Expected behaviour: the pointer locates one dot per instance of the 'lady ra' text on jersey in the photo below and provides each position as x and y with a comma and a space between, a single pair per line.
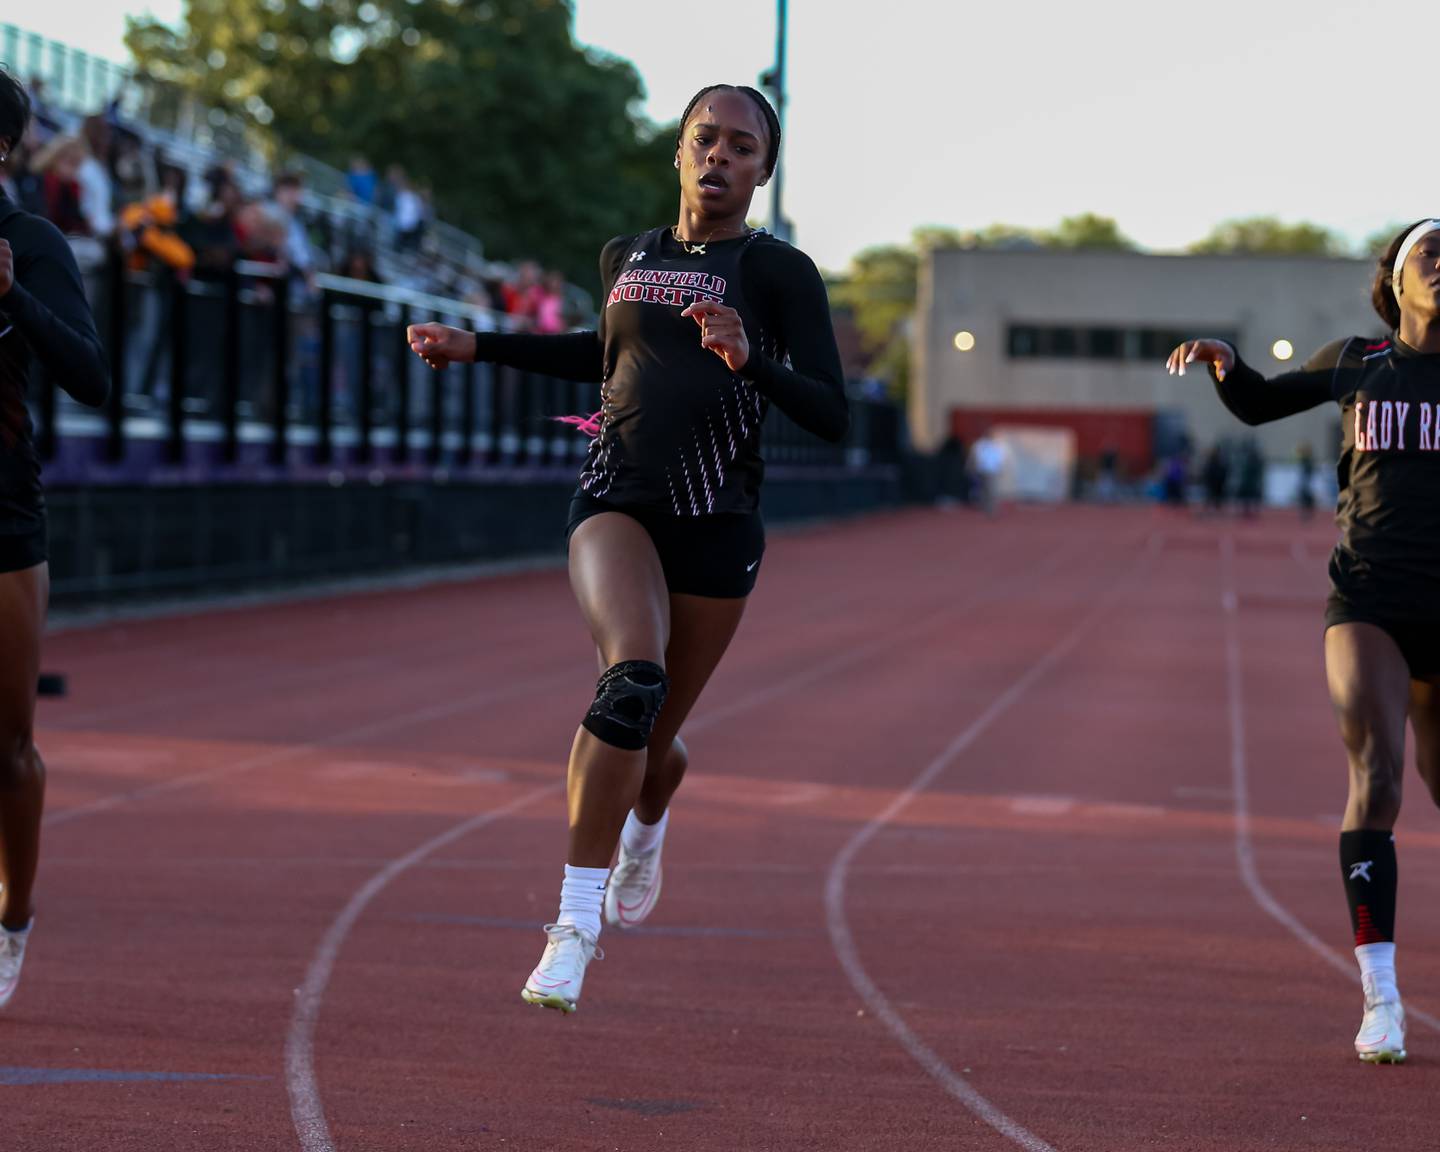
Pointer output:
1389, 425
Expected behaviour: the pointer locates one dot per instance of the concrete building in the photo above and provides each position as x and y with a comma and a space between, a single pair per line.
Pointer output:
1078, 339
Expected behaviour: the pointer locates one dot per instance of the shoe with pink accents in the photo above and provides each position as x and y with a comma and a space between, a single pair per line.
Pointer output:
634, 888
557, 979
1381, 1039
12, 956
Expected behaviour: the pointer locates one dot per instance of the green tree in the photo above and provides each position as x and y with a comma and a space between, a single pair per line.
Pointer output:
1376, 243
1089, 231
879, 290
1269, 235
528, 141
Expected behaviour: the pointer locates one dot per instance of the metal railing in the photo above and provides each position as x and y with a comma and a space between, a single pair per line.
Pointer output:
259, 375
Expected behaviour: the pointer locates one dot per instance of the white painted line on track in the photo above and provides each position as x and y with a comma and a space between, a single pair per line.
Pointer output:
723, 712
842, 939
306, 1109
1239, 772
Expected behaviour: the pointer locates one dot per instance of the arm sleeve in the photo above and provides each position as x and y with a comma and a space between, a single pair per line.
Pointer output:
790, 296
50, 311
570, 356
1257, 400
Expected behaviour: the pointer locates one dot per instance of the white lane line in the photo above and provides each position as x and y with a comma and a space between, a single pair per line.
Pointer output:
306, 1108
849, 658
1240, 778
723, 712
843, 940
294, 751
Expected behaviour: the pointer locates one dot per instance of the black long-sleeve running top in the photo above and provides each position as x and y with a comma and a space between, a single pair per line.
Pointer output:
678, 429
1388, 555
45, 319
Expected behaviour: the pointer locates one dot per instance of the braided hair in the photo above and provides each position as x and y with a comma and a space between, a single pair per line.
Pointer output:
767, 113
14, 108
1382, 292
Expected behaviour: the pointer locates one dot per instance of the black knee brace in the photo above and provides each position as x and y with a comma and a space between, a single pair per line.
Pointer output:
627, 700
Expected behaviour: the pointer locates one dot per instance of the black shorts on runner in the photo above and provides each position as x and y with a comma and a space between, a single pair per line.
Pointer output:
716, 556
26, 550
1417, 639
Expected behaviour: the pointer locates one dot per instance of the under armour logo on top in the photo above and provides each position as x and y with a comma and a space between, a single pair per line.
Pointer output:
634, 256
1361, 871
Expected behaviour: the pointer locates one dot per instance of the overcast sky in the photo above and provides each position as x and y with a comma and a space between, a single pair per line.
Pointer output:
1168, 117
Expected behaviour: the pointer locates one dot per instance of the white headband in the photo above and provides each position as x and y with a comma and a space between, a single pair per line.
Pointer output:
1424, 228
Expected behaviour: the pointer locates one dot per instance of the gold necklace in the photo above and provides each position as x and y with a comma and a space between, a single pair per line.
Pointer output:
699, 249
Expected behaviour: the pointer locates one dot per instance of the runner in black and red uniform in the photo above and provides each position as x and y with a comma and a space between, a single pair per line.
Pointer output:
45, 320
704, 325
1382, 621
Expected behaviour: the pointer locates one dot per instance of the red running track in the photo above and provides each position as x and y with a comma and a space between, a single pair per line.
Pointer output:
999, 834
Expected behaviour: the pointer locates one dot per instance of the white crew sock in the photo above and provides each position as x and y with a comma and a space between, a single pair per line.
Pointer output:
1377, 971
641, 838
581, 898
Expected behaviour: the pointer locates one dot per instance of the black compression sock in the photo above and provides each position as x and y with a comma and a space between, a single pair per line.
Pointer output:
1367, 864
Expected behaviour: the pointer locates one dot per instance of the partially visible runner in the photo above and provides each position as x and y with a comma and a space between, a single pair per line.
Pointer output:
704, 325
45, 320
1382, 620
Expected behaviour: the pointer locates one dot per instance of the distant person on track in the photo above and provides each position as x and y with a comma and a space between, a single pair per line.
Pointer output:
988, 456
1305, 480
1215, 475
44, 319
1382, 620
705, 324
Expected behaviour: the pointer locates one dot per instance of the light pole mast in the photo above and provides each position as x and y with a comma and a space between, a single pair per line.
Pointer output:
775, 81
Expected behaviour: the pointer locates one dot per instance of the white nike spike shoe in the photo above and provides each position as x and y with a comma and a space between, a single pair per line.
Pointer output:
1381, 1039
634, 887
557, 979
12, 956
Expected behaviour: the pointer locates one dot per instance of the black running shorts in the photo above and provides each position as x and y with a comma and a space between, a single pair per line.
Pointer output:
1417, 639
717, 556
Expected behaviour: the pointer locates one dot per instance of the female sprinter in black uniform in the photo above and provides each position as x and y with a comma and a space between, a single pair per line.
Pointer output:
704, 324
44, 317
1382, 621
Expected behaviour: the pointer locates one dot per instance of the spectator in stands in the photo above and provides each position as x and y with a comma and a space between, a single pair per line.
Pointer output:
362, 180
148, 233
360, 265
386, 190
214, 231
522, 295
134, 174
550, 304
97, 193
296, 251
58, 164
409, 214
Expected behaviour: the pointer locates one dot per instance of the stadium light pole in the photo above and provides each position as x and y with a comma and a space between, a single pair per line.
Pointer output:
775, 81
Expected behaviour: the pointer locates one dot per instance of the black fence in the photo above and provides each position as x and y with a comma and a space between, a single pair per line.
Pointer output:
260, 375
